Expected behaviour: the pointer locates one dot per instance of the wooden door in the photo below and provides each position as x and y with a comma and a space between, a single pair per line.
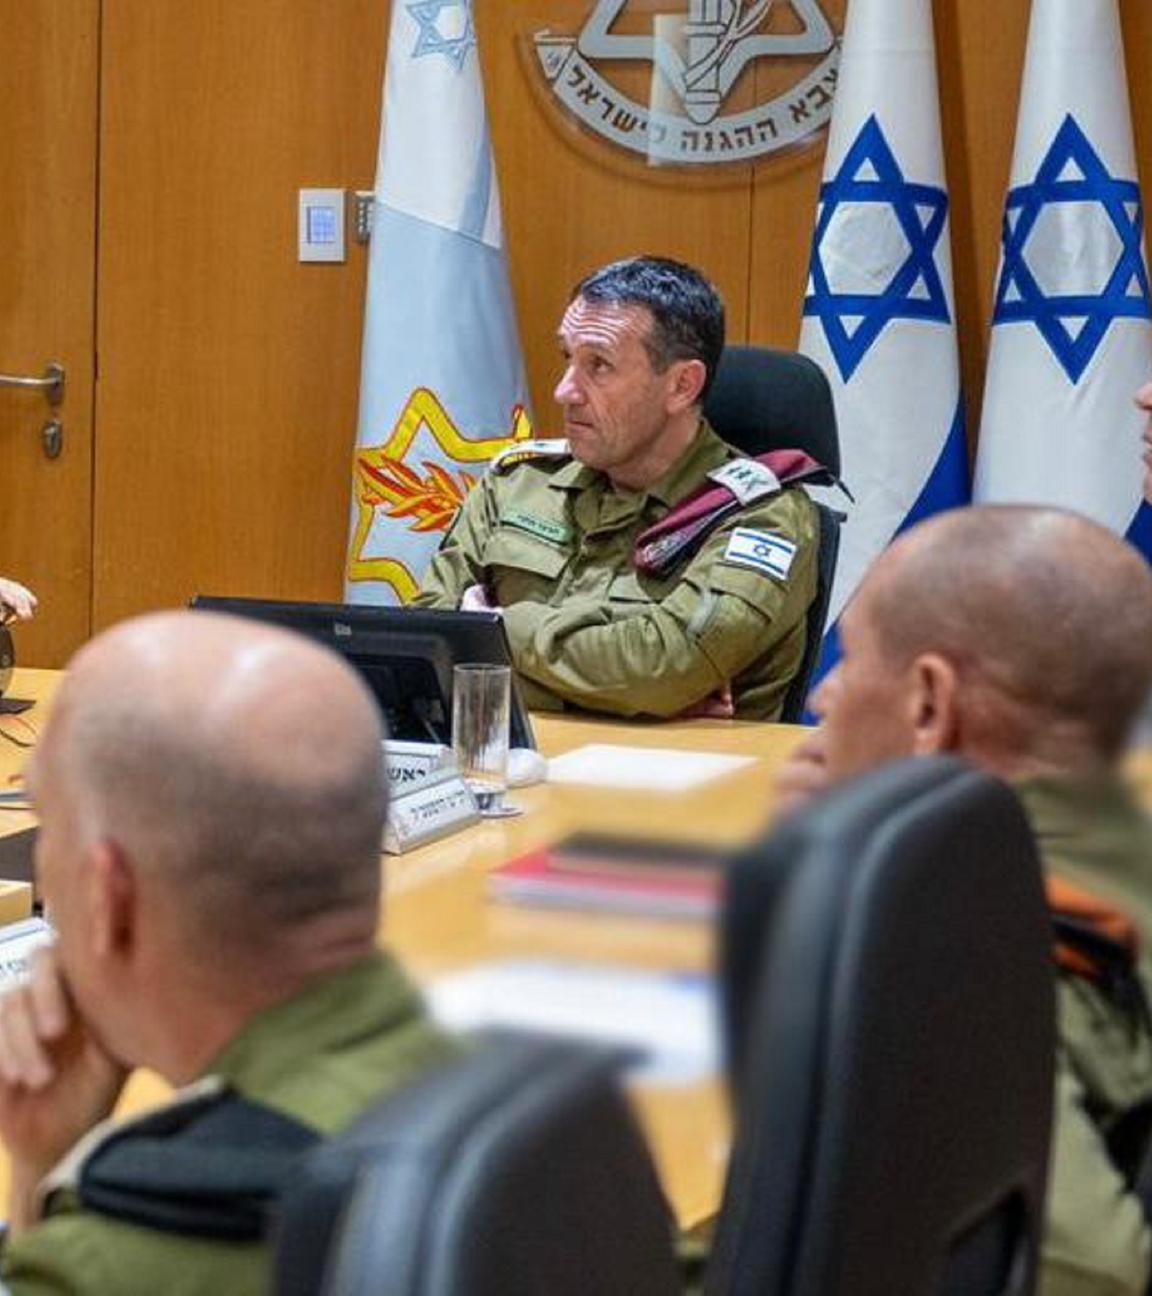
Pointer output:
229, 372
48, 86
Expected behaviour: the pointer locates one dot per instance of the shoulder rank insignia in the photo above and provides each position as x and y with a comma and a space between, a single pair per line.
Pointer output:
726, 491
523, 451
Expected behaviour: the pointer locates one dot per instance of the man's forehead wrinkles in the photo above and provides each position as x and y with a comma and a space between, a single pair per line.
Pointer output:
599, 324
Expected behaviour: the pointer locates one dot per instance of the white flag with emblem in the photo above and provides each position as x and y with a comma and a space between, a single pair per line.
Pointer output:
442, 380
879, 312
1071, 331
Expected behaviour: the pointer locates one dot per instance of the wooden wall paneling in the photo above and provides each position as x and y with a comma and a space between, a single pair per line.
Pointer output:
229, 379
48, 85
573, 202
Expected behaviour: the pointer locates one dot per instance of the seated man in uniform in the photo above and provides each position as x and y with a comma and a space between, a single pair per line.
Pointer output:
16, 600
211, 798
1021, 638
617, 597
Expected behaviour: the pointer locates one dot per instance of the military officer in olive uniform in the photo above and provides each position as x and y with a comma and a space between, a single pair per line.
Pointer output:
643, 566
1019, 638
215, 888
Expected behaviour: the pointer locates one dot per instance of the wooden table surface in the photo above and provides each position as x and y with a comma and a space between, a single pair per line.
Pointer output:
437, 914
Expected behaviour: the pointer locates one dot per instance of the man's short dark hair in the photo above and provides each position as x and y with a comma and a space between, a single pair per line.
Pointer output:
687, 313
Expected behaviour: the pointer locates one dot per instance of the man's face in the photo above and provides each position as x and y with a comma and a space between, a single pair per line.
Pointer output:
615, 404
863, 702
1144, 401
59, 854
1148, 460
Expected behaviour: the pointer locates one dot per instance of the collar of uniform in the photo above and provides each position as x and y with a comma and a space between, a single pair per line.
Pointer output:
1071, 806
572, 476
706, 452
371, 996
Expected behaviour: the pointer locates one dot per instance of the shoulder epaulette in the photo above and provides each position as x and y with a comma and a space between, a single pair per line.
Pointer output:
522, 451
728, 489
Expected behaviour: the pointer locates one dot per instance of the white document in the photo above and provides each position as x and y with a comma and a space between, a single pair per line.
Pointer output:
669, 1018
642, 769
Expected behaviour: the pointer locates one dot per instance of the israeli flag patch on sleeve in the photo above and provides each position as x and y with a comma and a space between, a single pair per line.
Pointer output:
767, 553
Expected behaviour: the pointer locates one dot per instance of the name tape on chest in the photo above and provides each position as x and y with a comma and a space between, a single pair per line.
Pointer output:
746, 479
557, 533
762, 551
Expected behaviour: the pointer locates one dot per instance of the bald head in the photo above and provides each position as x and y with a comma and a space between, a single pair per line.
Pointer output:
1046, 616
237, 765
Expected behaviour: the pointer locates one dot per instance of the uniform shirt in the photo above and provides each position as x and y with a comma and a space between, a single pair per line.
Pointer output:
323, 1057
1097, 1241
552, 541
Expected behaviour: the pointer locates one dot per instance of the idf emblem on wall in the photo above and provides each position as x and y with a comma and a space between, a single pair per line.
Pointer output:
696, 82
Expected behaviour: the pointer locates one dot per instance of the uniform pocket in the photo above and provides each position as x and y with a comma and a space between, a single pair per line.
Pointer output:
521, 567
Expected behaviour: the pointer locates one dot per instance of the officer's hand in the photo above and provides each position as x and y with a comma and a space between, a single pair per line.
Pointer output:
716, 706
16, 600
56, 1081
475, 599
804, 775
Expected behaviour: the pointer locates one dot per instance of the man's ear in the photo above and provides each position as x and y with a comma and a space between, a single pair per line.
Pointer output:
687, 383
934, 705
115, 901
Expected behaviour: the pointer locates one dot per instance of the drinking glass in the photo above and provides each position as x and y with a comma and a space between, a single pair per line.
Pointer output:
481, 702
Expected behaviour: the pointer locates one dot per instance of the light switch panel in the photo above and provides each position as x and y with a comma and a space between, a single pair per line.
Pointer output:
321, 225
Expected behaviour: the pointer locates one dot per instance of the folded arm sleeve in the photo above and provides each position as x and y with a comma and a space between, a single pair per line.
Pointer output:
457, 563
664, 656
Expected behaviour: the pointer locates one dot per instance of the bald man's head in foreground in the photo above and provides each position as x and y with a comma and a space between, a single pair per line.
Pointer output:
1020, 637
211, 796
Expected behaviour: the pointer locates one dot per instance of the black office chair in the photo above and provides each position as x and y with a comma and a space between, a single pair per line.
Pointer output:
517, 1170
888, 1004
764, 400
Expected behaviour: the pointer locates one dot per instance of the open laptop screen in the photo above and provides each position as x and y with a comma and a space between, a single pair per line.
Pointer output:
405, 655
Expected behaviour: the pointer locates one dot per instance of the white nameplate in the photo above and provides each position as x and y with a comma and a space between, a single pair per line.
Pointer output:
409, 763
442, 803
17, 941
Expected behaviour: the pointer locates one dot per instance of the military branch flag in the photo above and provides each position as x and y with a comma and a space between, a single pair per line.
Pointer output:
879, 313
1071, 330
442, 379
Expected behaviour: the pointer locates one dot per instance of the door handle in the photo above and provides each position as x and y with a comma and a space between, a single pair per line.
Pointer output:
51, 384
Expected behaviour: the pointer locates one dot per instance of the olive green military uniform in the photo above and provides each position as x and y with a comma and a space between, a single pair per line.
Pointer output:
1097, 1241
552, 542
322, 1057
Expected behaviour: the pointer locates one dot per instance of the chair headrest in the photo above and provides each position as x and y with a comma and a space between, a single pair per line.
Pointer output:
762, 400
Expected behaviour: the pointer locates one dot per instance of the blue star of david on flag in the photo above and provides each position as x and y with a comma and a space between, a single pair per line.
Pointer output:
870, 178
1073, 323
432, 40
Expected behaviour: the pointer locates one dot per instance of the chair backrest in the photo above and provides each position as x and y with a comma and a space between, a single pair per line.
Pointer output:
827, 553
889, 1013
764, 400
516, 1169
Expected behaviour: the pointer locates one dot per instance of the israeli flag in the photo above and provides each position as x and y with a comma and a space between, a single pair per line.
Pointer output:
442, 379
1071, 335
879, 314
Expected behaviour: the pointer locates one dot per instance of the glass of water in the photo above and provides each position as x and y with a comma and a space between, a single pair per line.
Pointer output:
481, 702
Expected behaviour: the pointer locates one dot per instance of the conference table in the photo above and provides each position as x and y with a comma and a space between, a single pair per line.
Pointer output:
439, 917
